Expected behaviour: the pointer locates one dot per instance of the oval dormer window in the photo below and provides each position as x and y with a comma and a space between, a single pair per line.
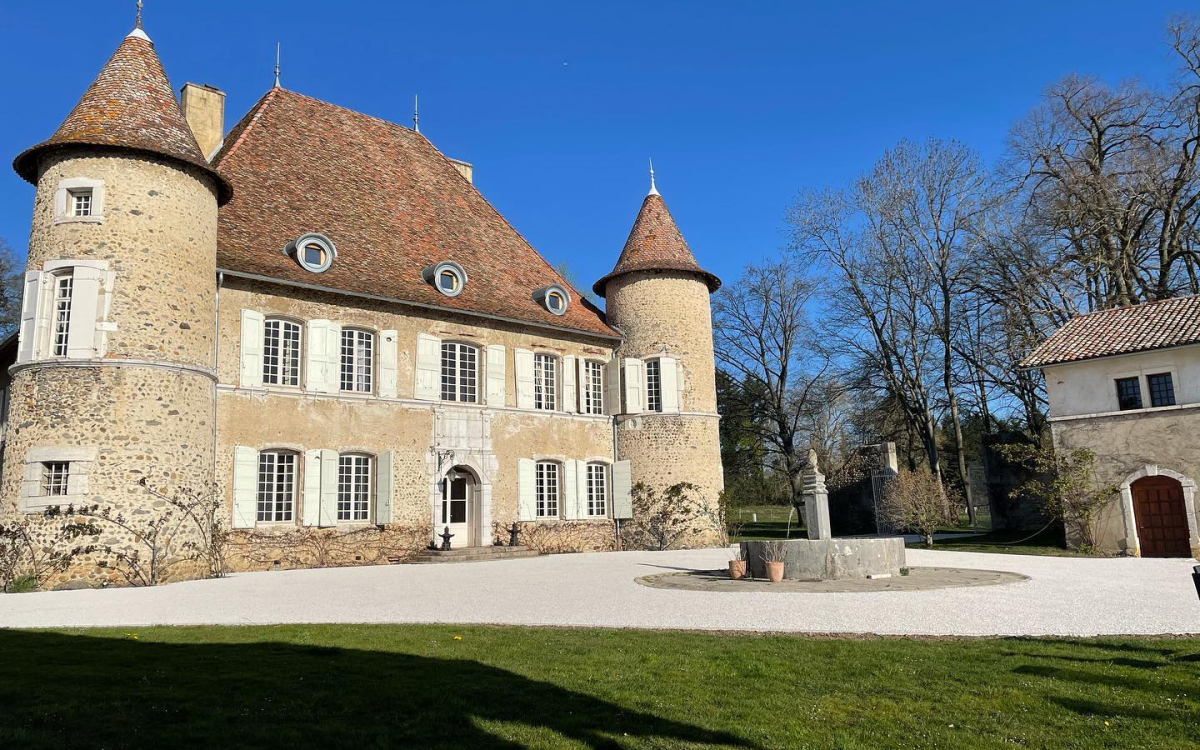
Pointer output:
554, 298
314, 252
447, 277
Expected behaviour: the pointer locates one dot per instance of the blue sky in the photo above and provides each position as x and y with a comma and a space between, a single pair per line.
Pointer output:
559, 104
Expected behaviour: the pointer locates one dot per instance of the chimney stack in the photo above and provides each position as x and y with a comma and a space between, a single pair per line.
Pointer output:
464, 168
204, 110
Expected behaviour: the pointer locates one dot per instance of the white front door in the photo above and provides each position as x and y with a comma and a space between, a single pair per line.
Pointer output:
457, 509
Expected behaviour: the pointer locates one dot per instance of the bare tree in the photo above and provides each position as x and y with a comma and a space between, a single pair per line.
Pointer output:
10, 289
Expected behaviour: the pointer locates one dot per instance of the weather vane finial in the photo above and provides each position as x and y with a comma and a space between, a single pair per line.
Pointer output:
277, 64
653, 190
139, 14
416, 120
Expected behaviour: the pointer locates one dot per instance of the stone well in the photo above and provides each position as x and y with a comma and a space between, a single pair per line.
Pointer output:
830, 559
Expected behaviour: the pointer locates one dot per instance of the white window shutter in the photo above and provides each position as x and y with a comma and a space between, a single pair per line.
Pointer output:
27, 338
383, 489
245, 487
495, 375
252, 349
570, 490
85, 307
581, 488
668, 370
329, 488
581, 382
389, 362
569, 398
634, 385
310, 513
323, 365
612, 387
526, 489
523, 364
429, 367
622, 480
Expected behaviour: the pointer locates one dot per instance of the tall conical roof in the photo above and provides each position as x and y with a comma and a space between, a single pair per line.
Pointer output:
656, 244
130, 106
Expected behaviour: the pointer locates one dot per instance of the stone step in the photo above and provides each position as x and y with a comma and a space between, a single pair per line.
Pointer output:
471, 554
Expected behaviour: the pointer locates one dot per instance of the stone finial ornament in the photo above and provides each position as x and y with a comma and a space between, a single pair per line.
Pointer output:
812, 461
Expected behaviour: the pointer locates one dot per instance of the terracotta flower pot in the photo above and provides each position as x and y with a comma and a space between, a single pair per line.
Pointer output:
737, 569
775, 571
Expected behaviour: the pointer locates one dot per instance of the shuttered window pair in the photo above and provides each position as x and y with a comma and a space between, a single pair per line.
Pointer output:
451, 371
64, 310
572, 490
321, 354
651, 385
343, 488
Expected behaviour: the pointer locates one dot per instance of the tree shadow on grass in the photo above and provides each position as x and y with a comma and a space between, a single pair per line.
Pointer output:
74, 691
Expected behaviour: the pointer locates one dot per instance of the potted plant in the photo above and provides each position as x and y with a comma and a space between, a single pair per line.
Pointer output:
774, 553
737, 566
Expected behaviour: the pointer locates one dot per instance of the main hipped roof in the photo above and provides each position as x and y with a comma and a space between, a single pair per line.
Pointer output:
392, 204
1122, 330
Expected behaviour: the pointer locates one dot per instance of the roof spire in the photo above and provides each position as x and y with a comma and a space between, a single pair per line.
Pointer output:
139, 15
653, 190
137, 32
416, 120
277, 45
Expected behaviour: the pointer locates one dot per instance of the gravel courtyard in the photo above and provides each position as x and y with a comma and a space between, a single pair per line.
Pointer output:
1063, 596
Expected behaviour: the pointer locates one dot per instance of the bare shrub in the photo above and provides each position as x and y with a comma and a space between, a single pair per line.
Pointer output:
28, 559
325, 548
918, 502
676, 517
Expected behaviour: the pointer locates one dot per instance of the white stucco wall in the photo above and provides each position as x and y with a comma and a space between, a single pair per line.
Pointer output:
1089, 388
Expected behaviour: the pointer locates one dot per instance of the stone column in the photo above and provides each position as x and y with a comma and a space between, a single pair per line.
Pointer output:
816, 506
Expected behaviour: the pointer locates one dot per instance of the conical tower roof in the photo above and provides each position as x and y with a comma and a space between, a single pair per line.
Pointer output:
130, 106
656, 244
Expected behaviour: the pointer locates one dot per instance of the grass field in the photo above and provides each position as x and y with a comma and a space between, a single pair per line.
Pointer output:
1048, 542
479, 687
772, 522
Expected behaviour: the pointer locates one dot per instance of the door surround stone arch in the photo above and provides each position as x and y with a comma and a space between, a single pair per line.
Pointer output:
472, 464
1130, 543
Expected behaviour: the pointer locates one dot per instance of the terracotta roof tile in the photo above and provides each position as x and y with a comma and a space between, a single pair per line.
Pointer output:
1122, 330
130, 106
391, 203
656, 244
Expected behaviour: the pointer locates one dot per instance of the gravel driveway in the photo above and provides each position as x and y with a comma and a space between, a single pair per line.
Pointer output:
1064, 596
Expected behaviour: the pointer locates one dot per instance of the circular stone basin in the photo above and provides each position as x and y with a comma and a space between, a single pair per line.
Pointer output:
918, 579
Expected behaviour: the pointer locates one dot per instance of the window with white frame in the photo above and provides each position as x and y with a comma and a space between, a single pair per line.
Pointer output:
281, 352
79, 199
354, 487
654, 400
545, 381
80, 202
60, 323
276, 486
358, 357
597, 489
593, 387
547, 488
460, 372
55, 478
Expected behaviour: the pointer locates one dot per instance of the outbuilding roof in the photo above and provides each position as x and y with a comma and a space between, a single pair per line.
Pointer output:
389, 201
1121, 330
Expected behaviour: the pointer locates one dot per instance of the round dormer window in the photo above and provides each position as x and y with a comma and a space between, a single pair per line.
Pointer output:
447, 277
314, 252
554, 298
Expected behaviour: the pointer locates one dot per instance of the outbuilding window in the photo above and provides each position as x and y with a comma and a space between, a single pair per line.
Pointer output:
1129, 393
1162, 389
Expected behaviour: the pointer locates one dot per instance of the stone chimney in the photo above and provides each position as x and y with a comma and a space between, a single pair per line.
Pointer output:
204, 110
465, 169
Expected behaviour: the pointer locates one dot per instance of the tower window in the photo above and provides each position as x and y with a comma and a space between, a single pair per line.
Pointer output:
545, 381
55, 476
81, 202
281, 352
654, 385
79, 199
64, 285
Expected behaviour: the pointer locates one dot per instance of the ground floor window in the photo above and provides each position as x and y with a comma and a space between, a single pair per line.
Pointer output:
547, 489
354, 487
276, 485
597, 490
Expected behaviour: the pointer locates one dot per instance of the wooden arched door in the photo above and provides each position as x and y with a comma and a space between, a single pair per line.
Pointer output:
1161, 518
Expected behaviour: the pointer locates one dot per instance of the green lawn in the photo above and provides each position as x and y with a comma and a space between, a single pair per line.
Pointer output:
1048, 542
420, 687
772, 522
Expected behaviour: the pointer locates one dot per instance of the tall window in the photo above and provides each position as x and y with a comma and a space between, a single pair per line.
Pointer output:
354, 487
64, 285
281, 352
597, 490
459, 372
55, 475
1162, 390
276, 485
593, 387
1129, 393
358, 354
547, 489
545, 381
653, 385
81, 202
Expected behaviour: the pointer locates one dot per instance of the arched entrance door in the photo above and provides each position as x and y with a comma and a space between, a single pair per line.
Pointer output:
1162, 525
459, 508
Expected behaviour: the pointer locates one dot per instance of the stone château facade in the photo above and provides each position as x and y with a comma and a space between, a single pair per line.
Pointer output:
319, 316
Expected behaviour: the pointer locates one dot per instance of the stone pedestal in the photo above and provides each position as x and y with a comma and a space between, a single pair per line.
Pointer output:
816, 506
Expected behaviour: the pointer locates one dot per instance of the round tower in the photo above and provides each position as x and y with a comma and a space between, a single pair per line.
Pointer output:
658, 297
113, 392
